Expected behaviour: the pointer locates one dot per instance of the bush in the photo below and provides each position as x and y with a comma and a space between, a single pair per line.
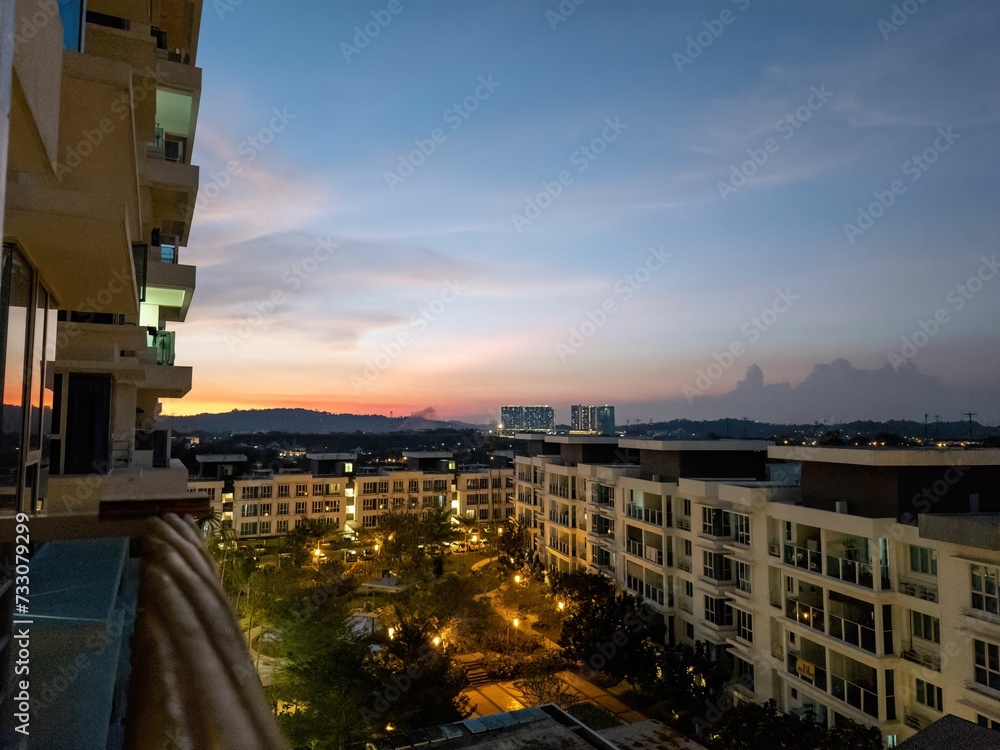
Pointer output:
594, 716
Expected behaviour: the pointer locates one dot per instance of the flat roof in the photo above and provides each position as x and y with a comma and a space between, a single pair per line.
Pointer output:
979, 530
332, 456
582, 439
887, 457
649, 444
220, 458
428, 454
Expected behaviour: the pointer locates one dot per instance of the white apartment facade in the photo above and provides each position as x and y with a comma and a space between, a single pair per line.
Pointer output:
263, 504
835, 592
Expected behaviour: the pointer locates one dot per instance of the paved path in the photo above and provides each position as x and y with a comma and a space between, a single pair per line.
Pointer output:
499, 697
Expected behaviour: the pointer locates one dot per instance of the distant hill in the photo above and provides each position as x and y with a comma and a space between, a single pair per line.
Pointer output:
303, 422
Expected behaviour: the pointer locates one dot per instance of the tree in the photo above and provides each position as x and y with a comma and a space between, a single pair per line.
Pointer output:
609, 634
306, 537
688, 679
513, 546
540, 686
748, 726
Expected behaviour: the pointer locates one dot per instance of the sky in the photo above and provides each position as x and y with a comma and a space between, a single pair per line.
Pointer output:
776, 210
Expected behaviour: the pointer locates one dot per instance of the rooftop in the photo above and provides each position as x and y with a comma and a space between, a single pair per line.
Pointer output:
951, 731
650, 444
427, 454
888, 457
220, 458
332, 456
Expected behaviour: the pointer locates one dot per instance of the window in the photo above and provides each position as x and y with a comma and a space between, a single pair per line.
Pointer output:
368, 503
265, 491
333, 489
744, 673
714, 522
414, 485
717, 566
984, 588
250, 493
929, 695
265, 527
397, 485
688, 588
687, 508
428, 485
336, 506
369, 521
923, 560
283, 490
300, 507
317, 506
743, 576
301, 490
926, 627
987, 664
987, 723
248, 510
689, 630
248, 529
282, 526
283, 510
743, 529
744, 625
687, 547
484, 514
718, 612
265, 509
318, 489
299, 522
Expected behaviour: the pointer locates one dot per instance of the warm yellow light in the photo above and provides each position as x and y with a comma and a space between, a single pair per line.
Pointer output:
376, 548
562, 606
517, 578
392, 633
475, 538
437, 640
517, 622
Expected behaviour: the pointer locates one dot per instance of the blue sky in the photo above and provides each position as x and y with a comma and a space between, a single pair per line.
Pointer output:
833, 104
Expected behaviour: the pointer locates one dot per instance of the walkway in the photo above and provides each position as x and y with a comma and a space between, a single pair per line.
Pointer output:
499, 697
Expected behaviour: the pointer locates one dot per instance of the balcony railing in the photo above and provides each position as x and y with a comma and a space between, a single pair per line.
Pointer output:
654, 594
684, 564
163, 342
807, 671
852, 571
560, 518
804, 558
805, 614
684, 524
633, 547
686, 605
919, 590
930, 661
854, 633
858, 696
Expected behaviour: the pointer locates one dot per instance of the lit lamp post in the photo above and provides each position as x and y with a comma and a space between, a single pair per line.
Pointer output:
517, 624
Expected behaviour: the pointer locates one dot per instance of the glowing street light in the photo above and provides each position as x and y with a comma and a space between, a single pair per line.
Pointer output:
437, 640
517, 578
561, 605
392, 633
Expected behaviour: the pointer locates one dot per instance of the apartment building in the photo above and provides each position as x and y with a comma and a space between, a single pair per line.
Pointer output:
598, 420
262, 503
854, 583
98, 109
530, 418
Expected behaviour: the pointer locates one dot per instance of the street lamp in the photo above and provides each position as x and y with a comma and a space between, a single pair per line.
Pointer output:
561, 605
437, 640
517, 578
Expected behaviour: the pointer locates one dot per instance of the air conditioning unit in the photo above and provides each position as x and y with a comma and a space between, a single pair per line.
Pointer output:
773, 549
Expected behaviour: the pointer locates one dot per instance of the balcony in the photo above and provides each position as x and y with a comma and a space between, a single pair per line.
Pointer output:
163, 343
861, 696
805, 614
807, 671
169, 284
684, 564
654, 594
559, 518
802, 557
653, 555
686, 605
852, 571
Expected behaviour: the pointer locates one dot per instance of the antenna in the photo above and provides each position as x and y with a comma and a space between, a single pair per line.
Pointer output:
970, 415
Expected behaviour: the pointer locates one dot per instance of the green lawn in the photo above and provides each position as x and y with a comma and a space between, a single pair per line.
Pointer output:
462, 562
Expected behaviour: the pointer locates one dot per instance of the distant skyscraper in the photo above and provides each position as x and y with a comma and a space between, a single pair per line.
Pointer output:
599, 419
535, 418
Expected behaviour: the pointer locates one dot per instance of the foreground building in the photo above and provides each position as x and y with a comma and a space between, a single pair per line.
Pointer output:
339, 492
98, 108
853, 583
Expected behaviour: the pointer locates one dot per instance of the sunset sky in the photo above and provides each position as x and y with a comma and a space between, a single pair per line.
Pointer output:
457, 205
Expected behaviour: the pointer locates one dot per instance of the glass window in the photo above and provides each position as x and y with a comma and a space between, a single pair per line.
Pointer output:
929, 695
744, 625
987, 669
984, 588
923, 560
926, 627
16, 281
